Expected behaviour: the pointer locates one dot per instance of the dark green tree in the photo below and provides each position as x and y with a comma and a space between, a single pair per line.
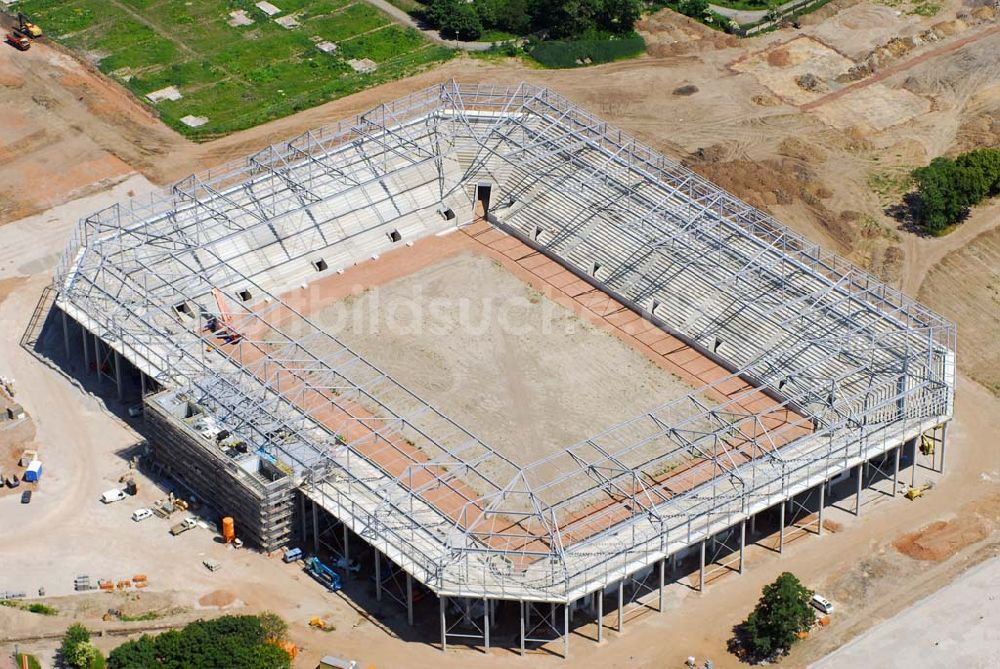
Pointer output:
942, 200
781, 613
76, 651
619, 16
693, 8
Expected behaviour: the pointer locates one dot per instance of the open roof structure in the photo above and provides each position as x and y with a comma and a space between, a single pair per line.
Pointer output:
841, 367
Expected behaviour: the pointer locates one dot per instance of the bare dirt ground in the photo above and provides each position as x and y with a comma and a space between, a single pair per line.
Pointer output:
524, 373
828, 175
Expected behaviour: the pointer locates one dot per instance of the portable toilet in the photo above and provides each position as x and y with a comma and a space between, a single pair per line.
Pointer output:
34, 471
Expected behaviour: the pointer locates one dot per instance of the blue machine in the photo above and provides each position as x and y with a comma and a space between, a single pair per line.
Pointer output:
324, 574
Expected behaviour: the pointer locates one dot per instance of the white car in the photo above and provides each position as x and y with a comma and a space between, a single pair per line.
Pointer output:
141, 514
114, 495
822, 603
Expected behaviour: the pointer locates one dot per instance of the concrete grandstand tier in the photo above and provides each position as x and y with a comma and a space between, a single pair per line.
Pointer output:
831, 366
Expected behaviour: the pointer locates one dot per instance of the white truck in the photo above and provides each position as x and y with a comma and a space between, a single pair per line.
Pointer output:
183, 526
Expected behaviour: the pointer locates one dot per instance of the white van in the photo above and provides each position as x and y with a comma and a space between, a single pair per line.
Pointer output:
141, 514
114, 495
822, 603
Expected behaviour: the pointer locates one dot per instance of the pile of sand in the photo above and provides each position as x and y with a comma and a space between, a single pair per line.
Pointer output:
942, 539
217, 598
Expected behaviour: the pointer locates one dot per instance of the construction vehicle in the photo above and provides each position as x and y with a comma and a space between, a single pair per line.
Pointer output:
19, 42
228, 334
27, 28
914, 493
323, 574
320, 624
926, 445
183, 526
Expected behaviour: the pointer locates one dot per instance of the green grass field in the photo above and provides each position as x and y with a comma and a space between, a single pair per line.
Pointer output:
237, 77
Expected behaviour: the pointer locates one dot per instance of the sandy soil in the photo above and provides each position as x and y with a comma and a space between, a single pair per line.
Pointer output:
60, 108
526, 375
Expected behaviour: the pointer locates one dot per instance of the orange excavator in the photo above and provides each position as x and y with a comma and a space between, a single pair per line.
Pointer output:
229, 333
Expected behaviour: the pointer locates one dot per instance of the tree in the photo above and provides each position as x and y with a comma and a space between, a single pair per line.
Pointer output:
461, 22
693, 8
619, 16
76, 650
782, 612
274, 627
942, 202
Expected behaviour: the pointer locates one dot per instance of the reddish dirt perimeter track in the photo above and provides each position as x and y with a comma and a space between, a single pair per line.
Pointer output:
457, 500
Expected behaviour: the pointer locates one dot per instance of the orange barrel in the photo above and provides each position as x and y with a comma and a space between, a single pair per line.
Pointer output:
228, 529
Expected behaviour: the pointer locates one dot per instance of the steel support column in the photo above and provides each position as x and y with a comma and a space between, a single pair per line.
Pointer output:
944, 435
65, 333
444, 626
895, 469
97, 360
486, 623
743, 542
118, 375
781, 529
378, 576
621, 605
822, 503
315, 515
409, 599
520, 610
701, 569
600, 615
302, 515
347, 552
857, 491
86, 350
565, 631
662, 567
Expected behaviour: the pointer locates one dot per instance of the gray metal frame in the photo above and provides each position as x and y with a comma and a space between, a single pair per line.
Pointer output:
860, 367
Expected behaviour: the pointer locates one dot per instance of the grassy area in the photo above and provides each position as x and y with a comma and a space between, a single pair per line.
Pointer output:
34, 607
235, 76
33, 662
577, 53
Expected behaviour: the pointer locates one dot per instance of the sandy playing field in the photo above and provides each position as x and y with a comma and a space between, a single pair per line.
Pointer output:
523, 373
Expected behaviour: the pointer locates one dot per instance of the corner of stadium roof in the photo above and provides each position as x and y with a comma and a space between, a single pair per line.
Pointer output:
851, 369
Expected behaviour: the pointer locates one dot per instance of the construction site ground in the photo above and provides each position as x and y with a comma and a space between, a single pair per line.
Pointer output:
70, 135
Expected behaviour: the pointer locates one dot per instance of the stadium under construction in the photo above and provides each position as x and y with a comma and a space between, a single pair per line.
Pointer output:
272, 419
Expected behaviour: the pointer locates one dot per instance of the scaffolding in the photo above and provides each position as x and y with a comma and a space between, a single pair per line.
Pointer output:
843, 368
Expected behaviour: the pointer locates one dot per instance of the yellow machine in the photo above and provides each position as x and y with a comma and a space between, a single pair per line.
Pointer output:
27, 28
926, 445
914, 493
318, 623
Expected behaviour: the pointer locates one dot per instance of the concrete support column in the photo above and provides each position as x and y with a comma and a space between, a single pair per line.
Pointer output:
444, 625
315, 515
486, 623
378, 576
600, 615
895, 469
781, 529
520, 615
662, 567
857, 491
65, 334
409, 599
743, 542
822, 503
621, 605
701, 570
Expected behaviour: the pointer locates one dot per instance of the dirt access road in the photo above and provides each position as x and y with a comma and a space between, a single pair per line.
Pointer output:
822, 174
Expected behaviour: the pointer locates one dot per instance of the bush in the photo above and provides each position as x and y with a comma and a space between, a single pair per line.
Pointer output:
574, 53
947, 188
240, 642
782, 612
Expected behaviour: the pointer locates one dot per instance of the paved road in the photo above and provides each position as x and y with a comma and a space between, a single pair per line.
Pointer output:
954, 627
405, 19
